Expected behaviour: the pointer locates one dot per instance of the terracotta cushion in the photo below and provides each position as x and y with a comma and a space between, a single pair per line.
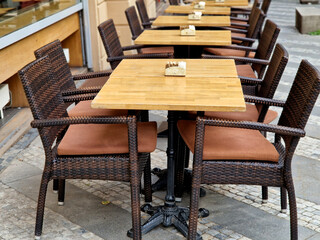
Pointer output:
237, 35
228, 52
245, 70
251, 114
84, 108
239, 22
230, 143
157, 50
95, 82
95, 139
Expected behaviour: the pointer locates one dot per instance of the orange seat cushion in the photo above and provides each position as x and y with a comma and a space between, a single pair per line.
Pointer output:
84, 108
94, 82
251, 114
237, 35
96, 139
222, 143
157, 50
239, 22
245, 70
228, 52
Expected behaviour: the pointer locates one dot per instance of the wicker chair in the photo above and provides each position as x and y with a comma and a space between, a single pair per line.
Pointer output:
264, 7
136, 30
174, 2
113, 47
110, 150
258, 57
229, 152
68, 88
144, 17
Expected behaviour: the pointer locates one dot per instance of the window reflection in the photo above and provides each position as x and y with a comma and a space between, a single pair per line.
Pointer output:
16, 14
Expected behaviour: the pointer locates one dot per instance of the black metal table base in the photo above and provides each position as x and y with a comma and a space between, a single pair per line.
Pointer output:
168, 216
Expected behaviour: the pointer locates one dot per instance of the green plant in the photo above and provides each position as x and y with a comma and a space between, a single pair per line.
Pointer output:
315, 32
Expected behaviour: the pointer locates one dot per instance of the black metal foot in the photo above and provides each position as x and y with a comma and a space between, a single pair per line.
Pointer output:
168, 216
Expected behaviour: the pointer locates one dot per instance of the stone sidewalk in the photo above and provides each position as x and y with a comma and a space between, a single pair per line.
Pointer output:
101, 209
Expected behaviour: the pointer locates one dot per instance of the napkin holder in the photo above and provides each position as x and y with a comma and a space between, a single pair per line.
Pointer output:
199, 5
195, 16
176, 69
189, 30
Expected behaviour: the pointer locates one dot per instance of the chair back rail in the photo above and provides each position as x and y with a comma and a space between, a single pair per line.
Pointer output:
144, 17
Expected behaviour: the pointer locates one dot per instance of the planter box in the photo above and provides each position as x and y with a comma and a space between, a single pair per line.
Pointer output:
307, 19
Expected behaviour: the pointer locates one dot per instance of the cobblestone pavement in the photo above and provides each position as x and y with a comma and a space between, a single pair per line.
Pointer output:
18, 211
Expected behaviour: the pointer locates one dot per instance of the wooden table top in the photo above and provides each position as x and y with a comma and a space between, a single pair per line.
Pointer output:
189, 9
173, 37
195, 68
170, 93
206, 21
226, 3
4, 10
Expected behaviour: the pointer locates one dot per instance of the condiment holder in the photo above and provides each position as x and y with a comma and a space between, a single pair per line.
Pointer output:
176, 69
199, 5
189, 30
195, 16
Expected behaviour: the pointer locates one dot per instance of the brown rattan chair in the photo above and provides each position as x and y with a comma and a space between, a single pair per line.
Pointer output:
229, 152
67, 85
255, 111
105, 148
258, 58
144, 17
113, 47
136, 30
264, 7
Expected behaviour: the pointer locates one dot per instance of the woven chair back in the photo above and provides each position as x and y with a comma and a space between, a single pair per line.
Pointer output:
144, 17
59, 64
174, 2
266, 44
265, 6
273, 75
43, 95
255, 23
301, 99
110, 41
133, 22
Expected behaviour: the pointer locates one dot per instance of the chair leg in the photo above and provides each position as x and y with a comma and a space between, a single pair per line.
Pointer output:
62, 184
41, 204
135, 210
293, 209
147, 181
55, 186
283, 196
194, 205
264, 194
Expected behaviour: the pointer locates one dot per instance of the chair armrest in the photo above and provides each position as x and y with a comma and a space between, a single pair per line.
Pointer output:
152, 19
247, 80
235, 30
91, 75
282, 130
239, 25
238, 47
147, 24
244, 39
264, 101
79, 97
81, 91
81, 120
137, 56
237, 59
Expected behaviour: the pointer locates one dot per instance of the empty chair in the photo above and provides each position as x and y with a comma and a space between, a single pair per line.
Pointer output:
258, 57
144, 17
229, 152
113, 47
105, 148
136, 30
65, 81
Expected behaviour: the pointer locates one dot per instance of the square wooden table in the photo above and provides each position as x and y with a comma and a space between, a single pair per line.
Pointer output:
133, 85
209, 10
226, 3
205, 21
185, 46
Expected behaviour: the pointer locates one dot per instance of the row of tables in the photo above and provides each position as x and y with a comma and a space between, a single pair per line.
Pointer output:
209, 85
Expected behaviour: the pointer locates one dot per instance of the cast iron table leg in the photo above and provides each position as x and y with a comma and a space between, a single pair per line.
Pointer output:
168, 214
